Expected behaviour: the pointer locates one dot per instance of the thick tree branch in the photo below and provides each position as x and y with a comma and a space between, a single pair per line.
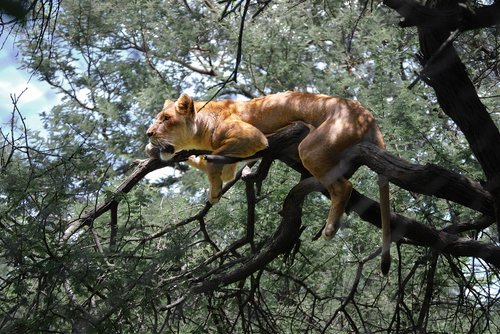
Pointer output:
423, 235
288, 232
422, 178
428, 179
445, 72
458, 98
278, 143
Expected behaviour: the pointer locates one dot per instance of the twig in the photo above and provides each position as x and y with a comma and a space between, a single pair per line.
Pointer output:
354, 288
429, 290
239, 51
282, 241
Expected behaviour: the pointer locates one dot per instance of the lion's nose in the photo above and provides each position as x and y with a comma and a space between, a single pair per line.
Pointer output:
150, 133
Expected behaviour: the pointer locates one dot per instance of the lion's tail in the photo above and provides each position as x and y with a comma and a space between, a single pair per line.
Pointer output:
385, 215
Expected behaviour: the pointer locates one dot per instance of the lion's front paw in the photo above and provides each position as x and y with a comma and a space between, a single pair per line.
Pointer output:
213, 199
246, 173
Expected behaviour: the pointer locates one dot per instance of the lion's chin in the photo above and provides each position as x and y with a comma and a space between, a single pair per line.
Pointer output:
165, 156
164, 152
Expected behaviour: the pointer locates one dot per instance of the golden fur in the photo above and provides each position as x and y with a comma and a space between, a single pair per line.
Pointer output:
239, 129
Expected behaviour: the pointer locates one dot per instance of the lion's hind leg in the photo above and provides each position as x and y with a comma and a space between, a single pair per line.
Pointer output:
330, 175
320, 153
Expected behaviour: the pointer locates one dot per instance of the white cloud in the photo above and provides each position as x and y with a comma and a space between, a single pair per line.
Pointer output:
33, 96
29, 92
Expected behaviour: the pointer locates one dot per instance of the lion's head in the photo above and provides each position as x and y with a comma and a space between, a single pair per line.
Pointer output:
172, 129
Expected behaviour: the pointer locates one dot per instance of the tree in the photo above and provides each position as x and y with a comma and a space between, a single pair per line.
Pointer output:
89, 246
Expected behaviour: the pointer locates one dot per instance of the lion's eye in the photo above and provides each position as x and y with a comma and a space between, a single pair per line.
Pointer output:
165, 118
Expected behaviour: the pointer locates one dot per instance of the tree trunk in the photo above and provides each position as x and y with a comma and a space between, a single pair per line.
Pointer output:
457, 96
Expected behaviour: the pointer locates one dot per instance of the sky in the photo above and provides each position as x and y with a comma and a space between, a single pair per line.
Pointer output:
34, 96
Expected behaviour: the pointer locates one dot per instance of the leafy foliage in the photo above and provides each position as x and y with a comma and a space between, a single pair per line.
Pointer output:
114, 63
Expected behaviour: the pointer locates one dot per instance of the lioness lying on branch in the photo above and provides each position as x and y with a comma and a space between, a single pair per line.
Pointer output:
239, 129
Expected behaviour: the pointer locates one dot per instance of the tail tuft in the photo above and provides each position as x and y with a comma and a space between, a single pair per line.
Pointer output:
385, 217
385, 264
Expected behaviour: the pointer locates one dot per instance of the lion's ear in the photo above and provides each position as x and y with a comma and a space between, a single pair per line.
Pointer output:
167, 103
185, 105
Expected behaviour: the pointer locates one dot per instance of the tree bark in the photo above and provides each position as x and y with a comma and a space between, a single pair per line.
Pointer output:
288, 232
422, 235
282, 241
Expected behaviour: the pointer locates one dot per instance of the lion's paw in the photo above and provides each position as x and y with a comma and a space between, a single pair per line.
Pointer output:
213, 199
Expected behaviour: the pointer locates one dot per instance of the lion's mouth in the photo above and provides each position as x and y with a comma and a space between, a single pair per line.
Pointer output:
166, 148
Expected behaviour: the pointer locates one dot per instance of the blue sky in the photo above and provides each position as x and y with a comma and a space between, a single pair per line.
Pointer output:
34, 96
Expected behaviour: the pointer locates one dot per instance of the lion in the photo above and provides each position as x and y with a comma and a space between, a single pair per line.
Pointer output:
239, 128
